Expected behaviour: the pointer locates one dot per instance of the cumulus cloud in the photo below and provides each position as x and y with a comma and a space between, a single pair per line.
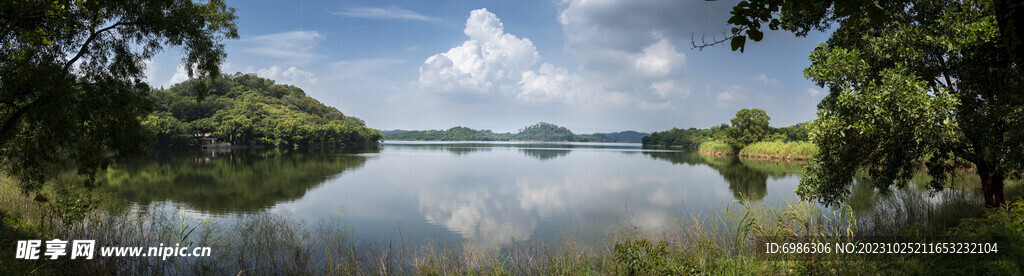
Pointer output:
291, 75
728, 97
180, 75
658, 59
490, 60
765, 79
392, 12
552, 83
294, 46
149, 72
668, 89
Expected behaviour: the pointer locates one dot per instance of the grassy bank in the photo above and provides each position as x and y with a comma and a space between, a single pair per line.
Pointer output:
800, 150
715, 148
780, 150
720, 243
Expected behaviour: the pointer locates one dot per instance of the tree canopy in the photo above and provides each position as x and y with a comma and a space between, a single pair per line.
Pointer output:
802, 17
71, 71
247, 109
910, 83
749, 126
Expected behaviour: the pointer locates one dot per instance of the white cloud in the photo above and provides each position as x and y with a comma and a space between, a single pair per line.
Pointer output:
149, 73
765, 79
814, 92
180, 75
553, 83
490, 60
667, 89
730, 96
294, 46
292, 75
392, 12
658, 59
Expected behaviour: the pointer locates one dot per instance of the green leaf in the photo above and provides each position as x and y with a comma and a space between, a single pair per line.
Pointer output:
755, 35
738, 42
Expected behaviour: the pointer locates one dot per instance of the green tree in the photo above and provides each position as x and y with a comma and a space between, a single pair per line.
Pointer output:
748, 127
71, 71
930, 82
801, 17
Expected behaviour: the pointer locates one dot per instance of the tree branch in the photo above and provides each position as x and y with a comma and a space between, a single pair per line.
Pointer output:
85, 45
704, 42
8, 127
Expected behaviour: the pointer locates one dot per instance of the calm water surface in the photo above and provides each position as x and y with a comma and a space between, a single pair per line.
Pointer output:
491, 194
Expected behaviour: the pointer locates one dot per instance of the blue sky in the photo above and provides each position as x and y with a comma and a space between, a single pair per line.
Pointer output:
589, 65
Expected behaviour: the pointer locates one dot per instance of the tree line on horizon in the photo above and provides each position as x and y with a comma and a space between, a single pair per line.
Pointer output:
544, 132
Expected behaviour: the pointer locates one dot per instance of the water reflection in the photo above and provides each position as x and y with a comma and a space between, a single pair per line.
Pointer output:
487, 194
545, 154
225, 181
747, 178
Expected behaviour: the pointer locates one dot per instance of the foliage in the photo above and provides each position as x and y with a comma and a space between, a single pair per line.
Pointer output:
643, 258
1004, 224
930, 85
453, 134
71, 76
686, 138
246, 109
546, 132
780, 150
801, 17
750, 132
749, 126
715, 147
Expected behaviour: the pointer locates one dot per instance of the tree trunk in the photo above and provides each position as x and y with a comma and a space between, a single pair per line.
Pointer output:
986, 186
997, 188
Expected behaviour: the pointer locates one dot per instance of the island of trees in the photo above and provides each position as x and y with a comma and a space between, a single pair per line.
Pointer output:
244, 109
749, 135
543, 132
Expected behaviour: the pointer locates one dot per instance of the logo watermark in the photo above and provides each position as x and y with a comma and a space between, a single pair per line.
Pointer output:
86, 249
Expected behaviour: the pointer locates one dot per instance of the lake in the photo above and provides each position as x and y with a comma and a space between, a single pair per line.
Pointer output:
491, 194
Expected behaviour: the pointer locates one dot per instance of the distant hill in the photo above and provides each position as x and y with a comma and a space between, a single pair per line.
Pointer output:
244, 109
628, 136
543, 132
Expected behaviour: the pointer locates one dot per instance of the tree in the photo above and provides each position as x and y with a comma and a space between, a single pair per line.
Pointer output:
748, 127
909, 83
71, 71
801, 17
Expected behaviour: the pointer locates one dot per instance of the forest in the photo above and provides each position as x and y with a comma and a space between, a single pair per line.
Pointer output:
541, 132
244, 109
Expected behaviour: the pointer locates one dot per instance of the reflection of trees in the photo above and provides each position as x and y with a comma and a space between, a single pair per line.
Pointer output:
246, 180
747, 178
544, 154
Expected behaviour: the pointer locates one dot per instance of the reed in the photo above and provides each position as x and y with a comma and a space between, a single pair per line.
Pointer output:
780, 150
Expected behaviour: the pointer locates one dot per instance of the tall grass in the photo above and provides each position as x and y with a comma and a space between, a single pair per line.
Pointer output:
800, 150
715, 148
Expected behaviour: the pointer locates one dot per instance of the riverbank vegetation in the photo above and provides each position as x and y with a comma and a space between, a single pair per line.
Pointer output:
800, 150
541, 132
749, 136
244, 109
